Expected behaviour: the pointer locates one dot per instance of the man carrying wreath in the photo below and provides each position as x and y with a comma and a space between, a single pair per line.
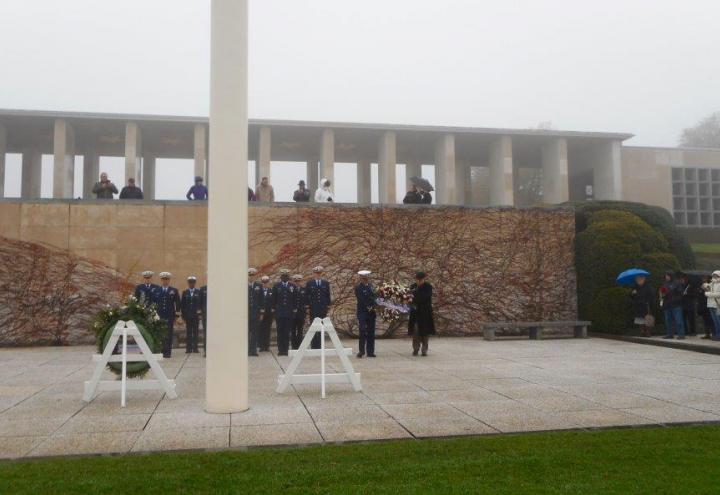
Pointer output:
365, 295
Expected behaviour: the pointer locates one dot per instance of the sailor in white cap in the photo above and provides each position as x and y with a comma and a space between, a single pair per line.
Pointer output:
296, 333
365, 296
319, 299
266, 315
167, 300
190, 308
144, 291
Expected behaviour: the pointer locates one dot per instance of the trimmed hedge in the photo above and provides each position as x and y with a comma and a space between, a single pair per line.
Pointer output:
611, 311
658, 218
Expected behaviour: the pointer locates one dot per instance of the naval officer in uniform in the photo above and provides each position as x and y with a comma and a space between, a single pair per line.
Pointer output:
285, 295
144, 291
365, 296
266, 315
318, 299
255, 306
167, 301
296, 332
190, 307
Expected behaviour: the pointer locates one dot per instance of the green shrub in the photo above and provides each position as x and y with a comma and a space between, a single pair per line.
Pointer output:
658, 218
657, 264
611, 311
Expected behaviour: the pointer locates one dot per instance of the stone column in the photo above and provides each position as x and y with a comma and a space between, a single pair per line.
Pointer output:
327, 155
607, 171
31, 174
364, 182
467, 184
312, 177
264, 153
200, 151
3, 151
502, 190
387, 163
91, 172
226, 381
133, 151
449, 191
64, 160
556, 188
413, 168
148, 175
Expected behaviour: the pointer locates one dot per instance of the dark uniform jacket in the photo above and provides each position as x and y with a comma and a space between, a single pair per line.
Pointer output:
301, 303
422, 313
268, 301
191, 303
256, 299
365, 295
285, 296
203, 295
167, 302
144, 293
318, 297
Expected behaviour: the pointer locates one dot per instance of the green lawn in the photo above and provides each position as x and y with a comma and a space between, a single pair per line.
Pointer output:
625, 461
706, 248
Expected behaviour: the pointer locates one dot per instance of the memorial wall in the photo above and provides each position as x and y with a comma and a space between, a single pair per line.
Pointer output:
484, 263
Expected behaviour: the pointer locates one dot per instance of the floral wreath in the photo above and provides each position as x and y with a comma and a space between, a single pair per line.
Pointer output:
393, 300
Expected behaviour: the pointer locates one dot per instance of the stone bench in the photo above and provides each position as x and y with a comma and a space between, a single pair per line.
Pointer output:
535, 327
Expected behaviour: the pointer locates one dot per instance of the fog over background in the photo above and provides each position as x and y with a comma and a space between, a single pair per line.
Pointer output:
648, 67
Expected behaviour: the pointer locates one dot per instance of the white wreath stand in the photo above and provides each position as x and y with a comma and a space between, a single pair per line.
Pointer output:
123, 329
324, 327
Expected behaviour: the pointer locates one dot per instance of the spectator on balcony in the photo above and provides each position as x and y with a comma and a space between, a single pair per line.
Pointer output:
131, 191
251, 195
265, 192
413, 196
302, 195
104, 189
324, 194
198, 192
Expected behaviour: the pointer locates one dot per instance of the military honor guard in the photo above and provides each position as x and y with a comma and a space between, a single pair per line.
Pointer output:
266, 315
203, 303
190, 309
318, 299
255, 306
365, 296
144, 291
285, 295
296, 332
167, 301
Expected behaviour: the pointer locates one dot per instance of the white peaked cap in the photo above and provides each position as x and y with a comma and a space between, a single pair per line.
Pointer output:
364, 273
165, 275
148, 273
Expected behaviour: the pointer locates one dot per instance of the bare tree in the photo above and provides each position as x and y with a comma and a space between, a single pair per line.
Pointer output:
704, 134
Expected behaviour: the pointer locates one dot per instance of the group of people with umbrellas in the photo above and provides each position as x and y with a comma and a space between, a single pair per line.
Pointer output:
681, 297
419, 193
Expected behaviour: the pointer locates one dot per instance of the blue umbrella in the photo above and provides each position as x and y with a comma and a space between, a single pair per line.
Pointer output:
627, 277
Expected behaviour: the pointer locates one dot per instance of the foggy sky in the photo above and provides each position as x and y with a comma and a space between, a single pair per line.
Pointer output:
648, 67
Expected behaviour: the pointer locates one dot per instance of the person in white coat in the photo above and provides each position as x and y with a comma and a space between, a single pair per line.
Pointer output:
712, 292
324, 193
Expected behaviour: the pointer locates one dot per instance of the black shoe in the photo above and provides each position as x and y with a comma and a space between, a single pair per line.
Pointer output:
415, 353
360, 355
706, 337
167, 356
282, 353
668, 337
371, 355
254, 355
681, 338
424, 354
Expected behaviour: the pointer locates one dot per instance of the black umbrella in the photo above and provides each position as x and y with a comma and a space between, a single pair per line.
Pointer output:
422, 183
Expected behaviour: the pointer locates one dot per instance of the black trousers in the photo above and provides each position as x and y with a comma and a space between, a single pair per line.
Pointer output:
168, 344
204, 322
264, 333
192, 329
689, 315
284, 324
315, 343
253, 327
367, 334
296, 333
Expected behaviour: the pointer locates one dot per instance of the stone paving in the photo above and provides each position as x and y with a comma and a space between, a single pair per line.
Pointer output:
467, 386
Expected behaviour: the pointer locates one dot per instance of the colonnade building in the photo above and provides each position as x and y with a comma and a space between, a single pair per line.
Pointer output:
473, 166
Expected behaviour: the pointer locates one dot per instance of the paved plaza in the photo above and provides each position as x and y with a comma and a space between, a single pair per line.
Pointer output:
466, 386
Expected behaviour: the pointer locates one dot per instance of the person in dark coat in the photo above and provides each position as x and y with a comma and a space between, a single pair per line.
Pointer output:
198, 192
412, 197
319, 299
297, 330
167, 301
131, 191
144, 291
425, 197
285, 295
190, 309
365, 296
255, 306
671, 300
204, 303
302, 195
266, 315
691, 290
421, 324
644, 303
